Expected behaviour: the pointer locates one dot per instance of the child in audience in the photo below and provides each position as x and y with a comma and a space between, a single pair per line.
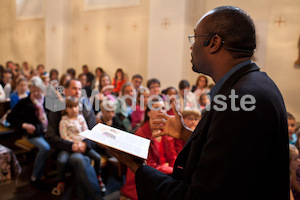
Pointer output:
203, 100
71, 124
162, 153
53, 75
292, 127
20, 93
107, 114
294, 167
171, 95
125, 105
137, 116
191, 118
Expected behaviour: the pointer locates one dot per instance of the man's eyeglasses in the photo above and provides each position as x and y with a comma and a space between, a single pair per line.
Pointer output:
192, 37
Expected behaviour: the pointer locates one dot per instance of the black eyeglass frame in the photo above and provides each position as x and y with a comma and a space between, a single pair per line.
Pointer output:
194, 36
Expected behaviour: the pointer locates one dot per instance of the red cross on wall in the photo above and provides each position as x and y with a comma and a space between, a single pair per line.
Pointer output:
165, 23
279, 21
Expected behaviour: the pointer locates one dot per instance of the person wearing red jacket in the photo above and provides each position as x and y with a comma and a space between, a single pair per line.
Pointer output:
162, 154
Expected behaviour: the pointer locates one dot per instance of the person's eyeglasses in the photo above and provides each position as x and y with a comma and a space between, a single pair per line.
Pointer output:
192, 37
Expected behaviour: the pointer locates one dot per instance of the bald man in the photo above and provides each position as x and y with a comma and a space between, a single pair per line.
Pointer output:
239, 150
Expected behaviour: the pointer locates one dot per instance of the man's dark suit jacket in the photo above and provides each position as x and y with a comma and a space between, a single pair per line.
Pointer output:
231, 154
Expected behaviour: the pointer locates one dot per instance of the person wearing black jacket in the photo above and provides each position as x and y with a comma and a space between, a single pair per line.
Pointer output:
29, 116
86, 178
239, 149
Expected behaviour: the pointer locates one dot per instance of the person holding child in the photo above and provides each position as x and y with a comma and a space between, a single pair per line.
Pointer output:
71, 124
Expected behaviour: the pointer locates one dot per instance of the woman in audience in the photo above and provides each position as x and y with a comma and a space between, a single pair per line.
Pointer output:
29, 116
292, 127
294, 168
64, 79
137, 116
201, 84
154, 86
105, 90
20, 93
162, 153
53, 75
71, 124
99, 72
118, 80
15, 80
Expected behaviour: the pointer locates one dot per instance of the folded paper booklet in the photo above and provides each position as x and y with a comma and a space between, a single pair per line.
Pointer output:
118, 139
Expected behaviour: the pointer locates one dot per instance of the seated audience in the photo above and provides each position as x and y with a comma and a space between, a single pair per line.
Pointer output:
191, 118
201, 84
99, 72
7, 79
53, 75
136, 81
154, 86
83, 79
171, 96
71, 124
137, 116
72, 73
292, 127
46, 79
64, 79
41, 69
162, 153
203, 101
20, 93
124, 105
118, 80
86, 178
25, 69
29, 116
294, 170
107, 114
105, 90
89, 75
186, 97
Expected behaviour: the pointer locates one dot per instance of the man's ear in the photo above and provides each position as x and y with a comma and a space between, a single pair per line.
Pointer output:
215, 44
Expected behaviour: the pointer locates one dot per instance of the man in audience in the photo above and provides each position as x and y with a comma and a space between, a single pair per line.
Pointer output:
240, 152
154, 86
89, 75
83, 79
137, 81
87, 182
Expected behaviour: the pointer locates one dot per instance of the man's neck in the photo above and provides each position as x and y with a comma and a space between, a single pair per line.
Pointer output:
225, 67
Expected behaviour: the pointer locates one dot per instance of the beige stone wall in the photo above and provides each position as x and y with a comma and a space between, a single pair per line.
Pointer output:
112, 38
20, 40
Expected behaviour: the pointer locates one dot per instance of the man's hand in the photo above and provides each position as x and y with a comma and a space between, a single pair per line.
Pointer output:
172, 125
28, 127
130, 161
